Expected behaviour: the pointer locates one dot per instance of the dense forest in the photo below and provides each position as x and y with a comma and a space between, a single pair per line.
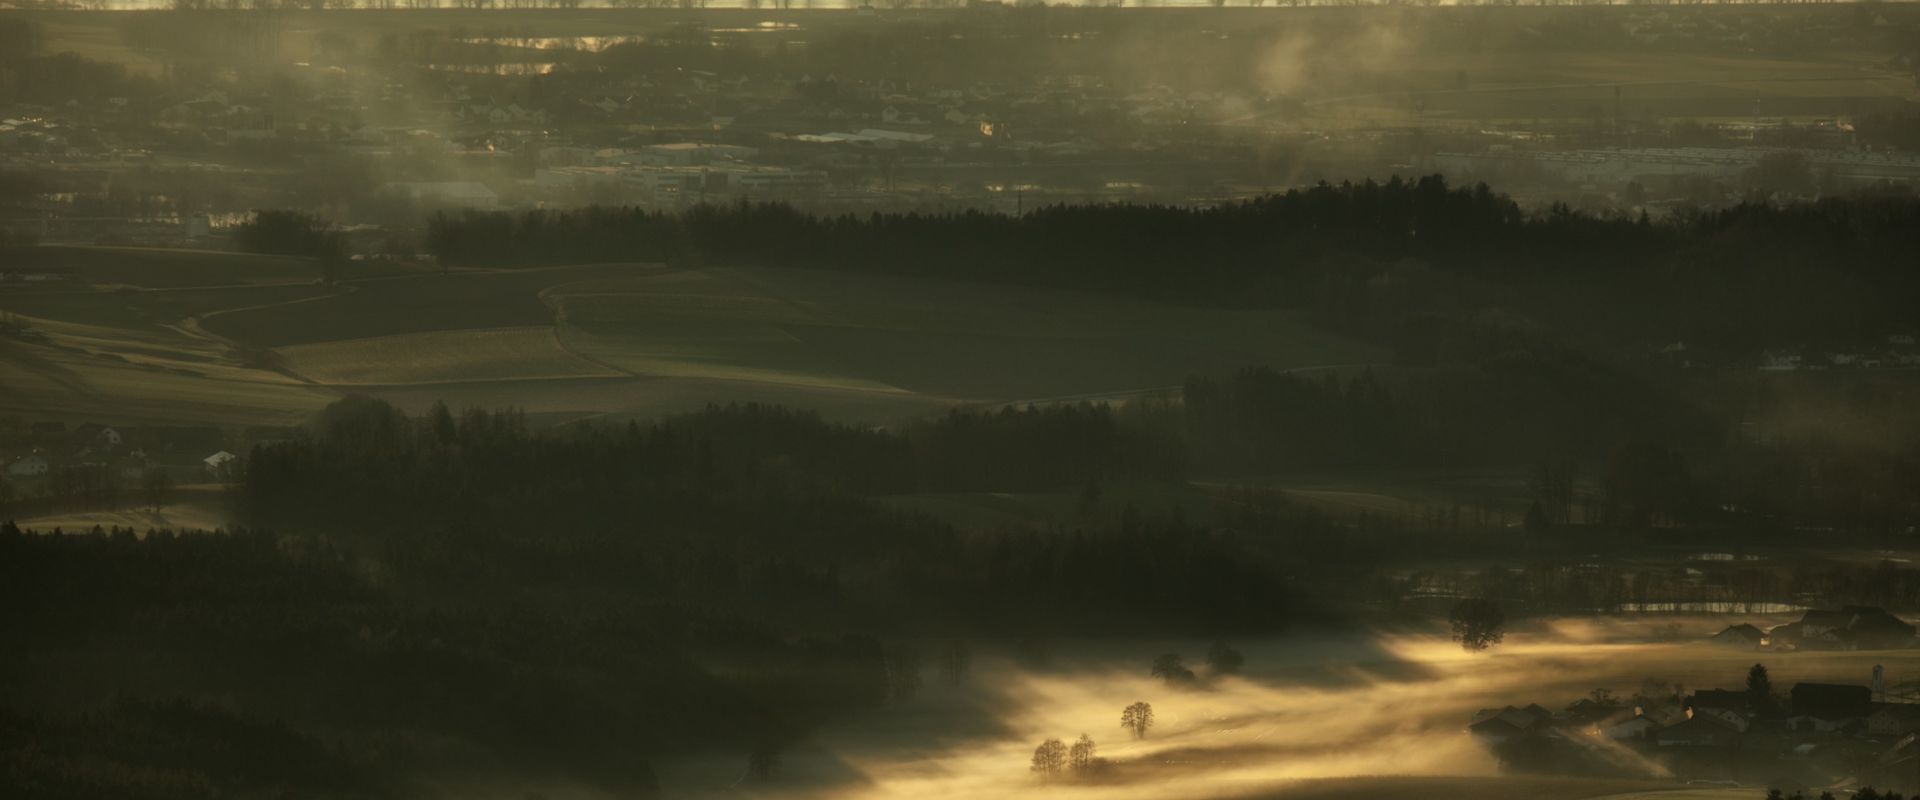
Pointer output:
1406, 262
729, 579
720, 580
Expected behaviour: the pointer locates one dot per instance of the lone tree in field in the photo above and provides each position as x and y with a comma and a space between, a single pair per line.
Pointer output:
1080, 755
1137, 718
156, 487
1171, 669
1050, 758
1759, 684
1224, 660
1478, 624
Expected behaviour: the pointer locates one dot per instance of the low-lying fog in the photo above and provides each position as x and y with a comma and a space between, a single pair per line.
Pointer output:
1304, 708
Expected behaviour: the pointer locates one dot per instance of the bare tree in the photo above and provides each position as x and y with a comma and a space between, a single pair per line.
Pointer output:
1477, 624
1223, 659
1049, 758
156, 487
1171, 669
1080, 755
1137, 718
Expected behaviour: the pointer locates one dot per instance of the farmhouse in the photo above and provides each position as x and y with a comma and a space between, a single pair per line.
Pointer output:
1742, 636
220, 464
1723, 703
1497, 726
1826, 707
1588, 711
1638, 726
1849, 628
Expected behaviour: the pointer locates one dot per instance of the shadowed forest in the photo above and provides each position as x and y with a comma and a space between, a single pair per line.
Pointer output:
580, 401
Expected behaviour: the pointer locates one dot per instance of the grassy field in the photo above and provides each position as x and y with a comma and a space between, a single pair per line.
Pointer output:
147, 267
209, 337
1502, 788
408, 304
152, 309
1314, 716
440, 357
82, 372
938, 339
201, 511
643, 340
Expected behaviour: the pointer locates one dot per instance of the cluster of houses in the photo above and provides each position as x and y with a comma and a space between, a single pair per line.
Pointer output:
1814, 734
1817, 734
1706, 718
31, 453
1848, 628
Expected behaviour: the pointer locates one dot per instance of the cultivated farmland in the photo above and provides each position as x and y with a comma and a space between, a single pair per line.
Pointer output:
622, 339
440, 357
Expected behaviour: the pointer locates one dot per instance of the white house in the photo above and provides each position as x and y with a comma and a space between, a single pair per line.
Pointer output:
1630, 728
219, 464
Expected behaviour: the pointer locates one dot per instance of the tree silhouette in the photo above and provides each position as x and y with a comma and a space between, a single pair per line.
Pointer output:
1478, 624
1080, 755
1049, 758
156, 487
1171, 669
1759, 684
1224, 660
1536, 520
1137, 718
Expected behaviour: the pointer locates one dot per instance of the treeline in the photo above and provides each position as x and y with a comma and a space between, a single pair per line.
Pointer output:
770, 512
289, 233
1211, 254
170, 750
1373, 259
538, 658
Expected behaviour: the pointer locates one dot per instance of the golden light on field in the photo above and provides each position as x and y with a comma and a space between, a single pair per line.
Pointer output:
1307, 710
